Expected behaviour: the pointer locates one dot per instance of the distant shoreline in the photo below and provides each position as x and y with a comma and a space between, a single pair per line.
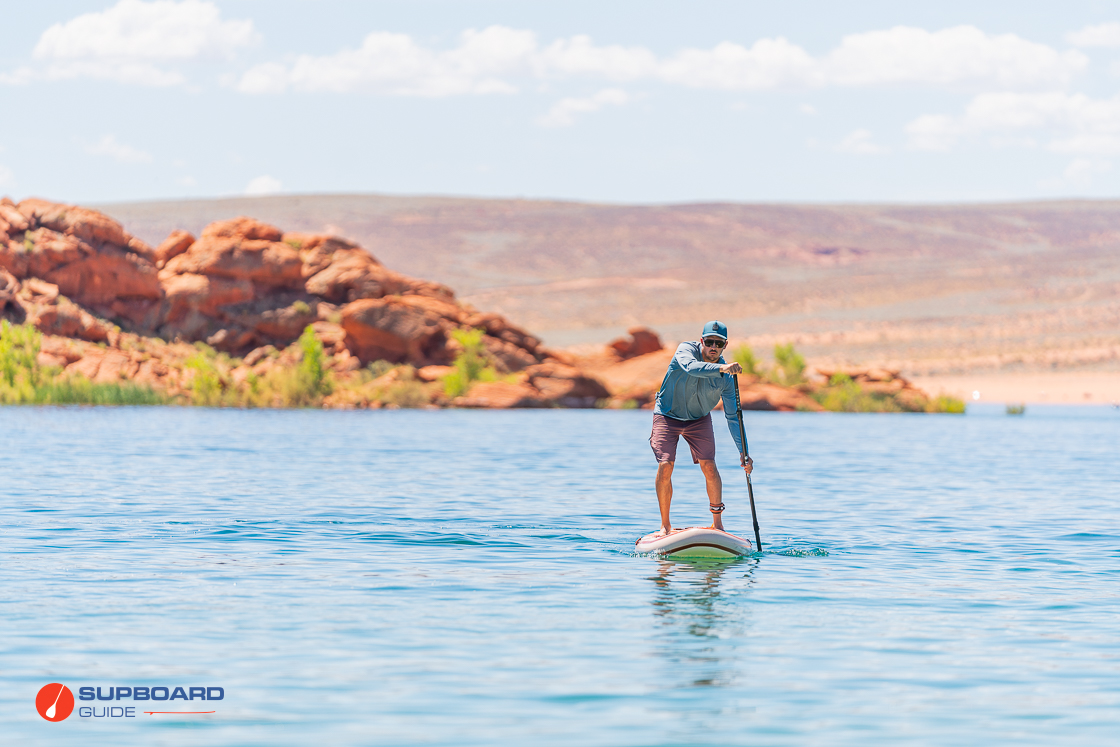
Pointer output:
1045, 388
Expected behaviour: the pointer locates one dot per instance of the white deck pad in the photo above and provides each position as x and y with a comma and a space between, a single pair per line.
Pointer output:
695, 542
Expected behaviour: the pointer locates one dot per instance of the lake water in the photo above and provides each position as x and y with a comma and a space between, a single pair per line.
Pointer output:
467, 578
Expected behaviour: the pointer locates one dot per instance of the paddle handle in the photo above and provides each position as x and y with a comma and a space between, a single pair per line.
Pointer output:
743, 453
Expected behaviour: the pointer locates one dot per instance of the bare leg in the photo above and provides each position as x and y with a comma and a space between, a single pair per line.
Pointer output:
665, 493
715, 489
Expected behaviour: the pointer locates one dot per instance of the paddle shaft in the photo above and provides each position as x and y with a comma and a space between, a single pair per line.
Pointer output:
743, 441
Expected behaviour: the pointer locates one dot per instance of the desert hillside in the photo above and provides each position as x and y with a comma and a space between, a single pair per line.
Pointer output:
246, 314
930, 290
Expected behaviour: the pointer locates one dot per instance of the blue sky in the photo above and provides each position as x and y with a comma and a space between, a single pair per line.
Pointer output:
607, 101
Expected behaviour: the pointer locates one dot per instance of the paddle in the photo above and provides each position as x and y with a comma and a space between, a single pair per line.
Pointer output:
743, 440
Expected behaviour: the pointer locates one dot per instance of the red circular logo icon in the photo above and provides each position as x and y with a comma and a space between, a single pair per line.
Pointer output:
54, 702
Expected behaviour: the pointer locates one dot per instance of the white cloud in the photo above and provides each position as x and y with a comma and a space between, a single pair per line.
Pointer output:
396, 64
136, 30
6, 176
489, 61
1092, 143
1075, 123
1013, 141
1101, 35
108, 146
962, 55
769, 63
131, 41
934, 132
563, 113
21, 76
263, 185
579, 56
1082, 170
270, 77
808, 109
953, 57
860, 143
120, 71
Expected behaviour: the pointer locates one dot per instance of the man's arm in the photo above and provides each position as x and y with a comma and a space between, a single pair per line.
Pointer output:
732, 414
692, 365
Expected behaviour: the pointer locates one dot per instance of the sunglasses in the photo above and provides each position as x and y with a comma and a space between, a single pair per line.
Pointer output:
715, 343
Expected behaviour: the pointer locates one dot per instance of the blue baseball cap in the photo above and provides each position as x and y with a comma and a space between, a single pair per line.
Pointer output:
715, 329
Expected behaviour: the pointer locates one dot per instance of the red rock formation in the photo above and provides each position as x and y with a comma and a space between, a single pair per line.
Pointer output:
392, 329
881, 381
244, 287
175, 244
755, 394
875, 380
502, 395
643, 341
85, 254
566, 385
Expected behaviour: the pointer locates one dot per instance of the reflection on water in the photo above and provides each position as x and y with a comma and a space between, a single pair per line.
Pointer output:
699, 607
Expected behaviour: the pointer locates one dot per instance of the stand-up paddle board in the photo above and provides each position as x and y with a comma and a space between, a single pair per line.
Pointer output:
695, 542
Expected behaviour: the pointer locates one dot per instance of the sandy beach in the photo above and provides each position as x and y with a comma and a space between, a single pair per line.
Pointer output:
1059, 387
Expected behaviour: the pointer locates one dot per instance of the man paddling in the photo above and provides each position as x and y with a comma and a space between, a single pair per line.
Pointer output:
697, 378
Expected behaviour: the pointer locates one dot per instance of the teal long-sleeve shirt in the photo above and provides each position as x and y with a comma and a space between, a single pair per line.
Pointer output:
692, 387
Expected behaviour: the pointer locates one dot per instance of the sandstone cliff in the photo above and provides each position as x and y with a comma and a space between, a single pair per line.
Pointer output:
112, 306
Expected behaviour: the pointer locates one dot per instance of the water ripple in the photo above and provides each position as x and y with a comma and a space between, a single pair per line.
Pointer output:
469, 578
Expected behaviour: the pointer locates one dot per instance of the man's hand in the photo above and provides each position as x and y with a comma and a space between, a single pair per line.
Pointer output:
731, 368
748, 464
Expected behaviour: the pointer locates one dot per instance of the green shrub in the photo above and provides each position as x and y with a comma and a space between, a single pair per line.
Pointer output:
78, 390
380, 368
470, 365
791, 365
406, 394
406, 391
24, 382
207, 384
947, 404
19, 352
302, 385
301, 307
311, 366
283, 387
744, 356
844, 395
454, 385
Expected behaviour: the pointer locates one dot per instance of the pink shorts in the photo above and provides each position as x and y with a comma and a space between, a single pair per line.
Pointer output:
698, 434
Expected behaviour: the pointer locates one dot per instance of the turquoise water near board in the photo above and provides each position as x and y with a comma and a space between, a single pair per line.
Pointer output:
467, 578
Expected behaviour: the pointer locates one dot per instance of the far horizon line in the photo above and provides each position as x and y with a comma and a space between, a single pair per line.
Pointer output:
604, 203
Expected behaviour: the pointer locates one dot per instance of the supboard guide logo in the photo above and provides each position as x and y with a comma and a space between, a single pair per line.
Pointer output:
55, 701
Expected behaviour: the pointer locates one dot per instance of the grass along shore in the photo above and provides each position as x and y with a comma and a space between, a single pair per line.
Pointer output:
840, 392
301, 376
298, 376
